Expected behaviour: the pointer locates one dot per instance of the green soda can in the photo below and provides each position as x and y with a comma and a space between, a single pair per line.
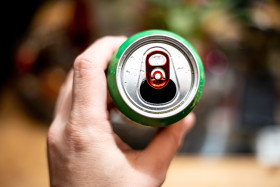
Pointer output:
155, 78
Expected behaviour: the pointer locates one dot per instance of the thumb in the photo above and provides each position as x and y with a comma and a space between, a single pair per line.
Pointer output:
166, 143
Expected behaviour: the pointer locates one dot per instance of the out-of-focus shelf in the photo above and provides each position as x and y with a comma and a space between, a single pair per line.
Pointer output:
23, 160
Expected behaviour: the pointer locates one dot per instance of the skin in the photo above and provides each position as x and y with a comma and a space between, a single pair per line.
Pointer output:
83, 150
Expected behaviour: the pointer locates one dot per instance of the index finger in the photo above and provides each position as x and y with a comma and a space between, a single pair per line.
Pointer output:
89, 84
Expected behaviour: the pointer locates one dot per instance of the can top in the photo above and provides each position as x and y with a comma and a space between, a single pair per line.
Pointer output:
184, 68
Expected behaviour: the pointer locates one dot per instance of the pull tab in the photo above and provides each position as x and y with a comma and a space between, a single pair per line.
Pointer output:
157, 69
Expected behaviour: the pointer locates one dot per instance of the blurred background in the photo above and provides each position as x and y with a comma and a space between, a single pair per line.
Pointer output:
237, 133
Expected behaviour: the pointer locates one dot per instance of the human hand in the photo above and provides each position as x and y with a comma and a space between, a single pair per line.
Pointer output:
83, 150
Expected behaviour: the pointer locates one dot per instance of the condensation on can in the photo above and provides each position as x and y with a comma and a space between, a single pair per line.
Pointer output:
149, 57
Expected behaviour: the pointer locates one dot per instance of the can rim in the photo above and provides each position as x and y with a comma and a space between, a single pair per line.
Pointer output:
187, 98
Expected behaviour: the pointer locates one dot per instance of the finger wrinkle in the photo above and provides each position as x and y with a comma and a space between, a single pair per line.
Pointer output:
83, 65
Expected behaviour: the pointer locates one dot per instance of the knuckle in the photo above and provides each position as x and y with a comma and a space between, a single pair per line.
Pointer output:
82, 62
84, 65
52, 138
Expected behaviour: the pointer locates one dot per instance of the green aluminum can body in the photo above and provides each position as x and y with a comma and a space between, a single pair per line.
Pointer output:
155, 78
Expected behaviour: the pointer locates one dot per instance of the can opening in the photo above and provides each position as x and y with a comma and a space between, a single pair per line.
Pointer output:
158, 96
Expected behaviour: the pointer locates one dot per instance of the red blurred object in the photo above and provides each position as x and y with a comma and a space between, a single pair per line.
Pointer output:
25, 59
216, 62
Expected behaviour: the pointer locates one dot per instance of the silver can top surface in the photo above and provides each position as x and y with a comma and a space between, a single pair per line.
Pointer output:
133, 70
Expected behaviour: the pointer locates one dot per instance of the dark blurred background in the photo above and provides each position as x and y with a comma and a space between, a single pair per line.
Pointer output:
238, 41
